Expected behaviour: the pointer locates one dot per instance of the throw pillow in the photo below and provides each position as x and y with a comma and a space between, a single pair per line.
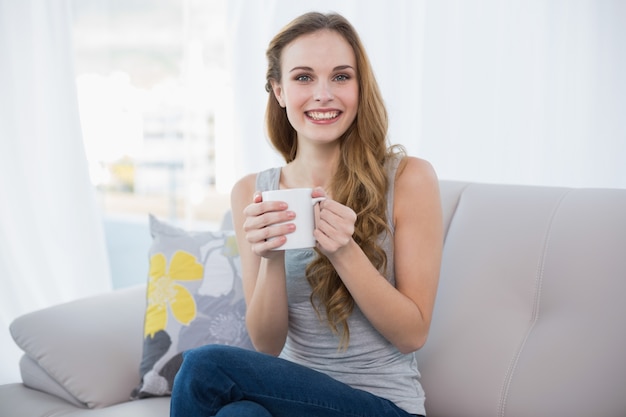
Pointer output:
194, 297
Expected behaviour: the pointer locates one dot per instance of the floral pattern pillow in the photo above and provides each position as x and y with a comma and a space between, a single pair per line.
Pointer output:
194, 297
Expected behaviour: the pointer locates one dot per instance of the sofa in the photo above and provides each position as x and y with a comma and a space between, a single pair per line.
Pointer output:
530, 318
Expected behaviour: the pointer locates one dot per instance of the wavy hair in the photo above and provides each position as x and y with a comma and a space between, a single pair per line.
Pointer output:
360, 181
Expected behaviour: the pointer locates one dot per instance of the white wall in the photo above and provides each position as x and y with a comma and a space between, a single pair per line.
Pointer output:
528, 92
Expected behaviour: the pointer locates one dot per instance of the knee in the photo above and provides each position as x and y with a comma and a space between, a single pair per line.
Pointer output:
206, 358
203, 352
197, 364
205, 377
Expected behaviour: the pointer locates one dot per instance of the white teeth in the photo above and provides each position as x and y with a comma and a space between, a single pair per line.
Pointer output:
316, 115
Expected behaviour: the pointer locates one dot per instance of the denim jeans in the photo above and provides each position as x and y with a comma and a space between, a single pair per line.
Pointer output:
226, 381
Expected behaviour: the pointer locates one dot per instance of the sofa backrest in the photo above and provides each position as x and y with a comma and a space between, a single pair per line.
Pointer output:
530, 318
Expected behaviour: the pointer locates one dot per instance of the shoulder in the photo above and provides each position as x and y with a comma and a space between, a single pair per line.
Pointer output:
415, 172
416, 186
243, 191
245, 185
260, 181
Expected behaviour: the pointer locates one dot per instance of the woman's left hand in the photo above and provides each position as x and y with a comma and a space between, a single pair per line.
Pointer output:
334, 224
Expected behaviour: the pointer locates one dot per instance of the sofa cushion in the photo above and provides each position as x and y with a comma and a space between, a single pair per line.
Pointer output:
195, 297
19, 400
16, 400
88, 350
37, 378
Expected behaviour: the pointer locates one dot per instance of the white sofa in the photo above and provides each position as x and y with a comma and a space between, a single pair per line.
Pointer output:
530, 319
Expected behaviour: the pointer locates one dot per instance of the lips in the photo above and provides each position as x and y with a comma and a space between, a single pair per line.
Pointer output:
323, 115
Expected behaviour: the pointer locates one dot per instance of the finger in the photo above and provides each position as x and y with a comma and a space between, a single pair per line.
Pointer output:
335, 227
318, 192
269, 238
339, 209
269, 248
262, 207
325, 243
334, 219
263, 223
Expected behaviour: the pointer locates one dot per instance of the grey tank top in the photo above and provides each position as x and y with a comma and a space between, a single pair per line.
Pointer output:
370, 362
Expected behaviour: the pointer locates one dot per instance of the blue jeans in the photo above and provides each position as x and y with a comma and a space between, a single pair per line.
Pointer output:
226, 381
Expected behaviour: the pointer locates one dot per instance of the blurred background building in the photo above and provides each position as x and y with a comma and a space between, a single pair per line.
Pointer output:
151, 77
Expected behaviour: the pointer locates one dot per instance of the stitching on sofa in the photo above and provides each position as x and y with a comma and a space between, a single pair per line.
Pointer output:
535, 312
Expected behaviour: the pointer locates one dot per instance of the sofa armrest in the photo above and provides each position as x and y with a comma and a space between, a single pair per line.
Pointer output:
90, 348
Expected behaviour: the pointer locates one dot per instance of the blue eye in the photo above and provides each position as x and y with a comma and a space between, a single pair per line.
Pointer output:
303, 78
342, 77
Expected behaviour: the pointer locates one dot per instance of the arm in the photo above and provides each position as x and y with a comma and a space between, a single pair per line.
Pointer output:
403, 313
263, 270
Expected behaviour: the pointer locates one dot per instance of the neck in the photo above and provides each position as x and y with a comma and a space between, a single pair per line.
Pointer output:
312, 167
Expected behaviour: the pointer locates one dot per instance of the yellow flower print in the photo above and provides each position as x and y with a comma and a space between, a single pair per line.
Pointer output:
163, 290
230, 247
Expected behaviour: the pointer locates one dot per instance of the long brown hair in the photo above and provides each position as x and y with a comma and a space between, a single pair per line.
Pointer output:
360, 181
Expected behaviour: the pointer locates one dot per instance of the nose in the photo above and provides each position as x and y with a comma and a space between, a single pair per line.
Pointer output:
323, 92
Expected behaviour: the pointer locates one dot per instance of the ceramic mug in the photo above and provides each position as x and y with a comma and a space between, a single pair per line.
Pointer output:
299, 201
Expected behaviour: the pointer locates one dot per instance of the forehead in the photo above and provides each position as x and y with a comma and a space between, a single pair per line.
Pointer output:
318, 50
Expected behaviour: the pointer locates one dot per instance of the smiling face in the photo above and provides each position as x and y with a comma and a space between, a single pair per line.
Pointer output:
319, 87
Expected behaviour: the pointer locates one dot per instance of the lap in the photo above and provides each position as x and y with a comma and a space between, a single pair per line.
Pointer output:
282, 387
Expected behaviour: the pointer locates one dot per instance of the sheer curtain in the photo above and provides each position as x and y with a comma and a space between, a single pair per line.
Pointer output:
51, 239
528, 92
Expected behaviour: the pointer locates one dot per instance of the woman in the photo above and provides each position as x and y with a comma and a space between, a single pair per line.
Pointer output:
345, 317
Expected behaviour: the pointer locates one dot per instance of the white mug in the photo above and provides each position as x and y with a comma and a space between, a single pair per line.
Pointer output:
299, 201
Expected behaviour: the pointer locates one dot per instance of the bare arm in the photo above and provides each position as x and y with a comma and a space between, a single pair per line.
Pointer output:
263, 270
403, 313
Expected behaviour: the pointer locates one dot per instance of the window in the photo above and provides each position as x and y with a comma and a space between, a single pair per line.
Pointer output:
150, 75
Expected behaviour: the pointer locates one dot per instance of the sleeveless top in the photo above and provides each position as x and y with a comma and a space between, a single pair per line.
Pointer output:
370, 362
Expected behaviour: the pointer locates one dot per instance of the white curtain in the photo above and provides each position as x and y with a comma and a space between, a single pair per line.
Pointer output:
529, 92
52, 246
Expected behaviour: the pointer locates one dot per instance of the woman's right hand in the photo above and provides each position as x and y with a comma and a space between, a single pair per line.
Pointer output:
266, 224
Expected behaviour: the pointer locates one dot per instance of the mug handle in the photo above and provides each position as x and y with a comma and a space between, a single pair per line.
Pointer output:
316, 210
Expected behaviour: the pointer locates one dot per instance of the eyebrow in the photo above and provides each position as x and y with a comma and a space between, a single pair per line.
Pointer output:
337, 68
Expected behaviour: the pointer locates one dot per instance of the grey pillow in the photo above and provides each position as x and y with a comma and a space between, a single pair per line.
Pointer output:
194, 297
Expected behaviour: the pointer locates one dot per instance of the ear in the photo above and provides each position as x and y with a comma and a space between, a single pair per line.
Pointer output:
277, 89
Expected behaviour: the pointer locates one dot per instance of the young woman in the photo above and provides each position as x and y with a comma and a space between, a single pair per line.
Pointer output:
336, 326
